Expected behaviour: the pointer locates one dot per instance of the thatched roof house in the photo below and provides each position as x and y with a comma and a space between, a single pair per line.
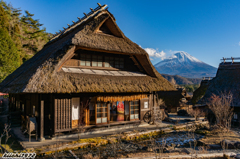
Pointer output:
226, 81
91, 60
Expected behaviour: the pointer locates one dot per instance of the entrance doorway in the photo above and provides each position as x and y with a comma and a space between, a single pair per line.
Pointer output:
75, 112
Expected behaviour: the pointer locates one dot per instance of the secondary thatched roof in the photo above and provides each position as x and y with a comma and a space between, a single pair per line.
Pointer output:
42, 73
227, 80
199, 92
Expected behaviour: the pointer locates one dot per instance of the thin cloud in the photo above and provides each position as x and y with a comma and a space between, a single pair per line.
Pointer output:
239, 43
154, 53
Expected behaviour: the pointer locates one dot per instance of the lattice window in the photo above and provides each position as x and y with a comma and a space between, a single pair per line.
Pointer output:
101, 113
62, 114
134, 110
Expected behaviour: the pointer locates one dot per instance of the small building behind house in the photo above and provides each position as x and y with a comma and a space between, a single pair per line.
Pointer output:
227, 80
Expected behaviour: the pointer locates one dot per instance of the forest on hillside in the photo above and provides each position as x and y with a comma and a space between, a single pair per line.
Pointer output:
21, 37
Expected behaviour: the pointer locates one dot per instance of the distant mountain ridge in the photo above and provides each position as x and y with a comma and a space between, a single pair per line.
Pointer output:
185, 65
179, 80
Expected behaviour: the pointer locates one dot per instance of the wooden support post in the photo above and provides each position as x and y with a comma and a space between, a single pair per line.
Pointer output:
29, 132
42, 121
154, 107
99, 5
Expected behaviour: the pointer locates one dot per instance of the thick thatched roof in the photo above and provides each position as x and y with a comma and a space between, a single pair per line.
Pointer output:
227, 80
43, 73
199, 92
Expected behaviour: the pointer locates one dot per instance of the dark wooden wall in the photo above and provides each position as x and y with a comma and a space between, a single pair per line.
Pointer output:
57, 109
62, 115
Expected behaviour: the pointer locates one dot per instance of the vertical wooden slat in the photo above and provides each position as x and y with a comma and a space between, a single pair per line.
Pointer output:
69, 111
95, 111
66, 113
59, 111
64, 116
61, 119
57, 122
60, 114
66, 126
70, 105
41, 120
55, 115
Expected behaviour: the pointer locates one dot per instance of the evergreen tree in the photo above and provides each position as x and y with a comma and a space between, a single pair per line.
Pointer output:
4, 21
9, 56
20, 38
32, 31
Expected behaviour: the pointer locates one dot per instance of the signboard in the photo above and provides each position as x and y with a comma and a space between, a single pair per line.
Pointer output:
145, 105
120, 111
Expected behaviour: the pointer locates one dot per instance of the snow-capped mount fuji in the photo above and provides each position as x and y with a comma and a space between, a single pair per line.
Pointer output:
183, 64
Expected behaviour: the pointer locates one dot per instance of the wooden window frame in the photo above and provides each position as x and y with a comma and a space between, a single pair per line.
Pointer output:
96, 112
134, 109
97, 61
112, 61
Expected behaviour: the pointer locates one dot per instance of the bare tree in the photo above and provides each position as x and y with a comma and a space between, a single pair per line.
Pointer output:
161, 146
5, 133
221, 107
196, 113
192, 138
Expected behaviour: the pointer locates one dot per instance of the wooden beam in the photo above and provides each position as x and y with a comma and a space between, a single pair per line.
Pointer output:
100, 50
42, 121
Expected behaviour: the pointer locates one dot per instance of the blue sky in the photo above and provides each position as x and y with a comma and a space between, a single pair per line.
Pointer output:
206, 29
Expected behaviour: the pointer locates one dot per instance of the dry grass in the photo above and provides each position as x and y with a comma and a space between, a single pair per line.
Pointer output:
152, 154
213, 137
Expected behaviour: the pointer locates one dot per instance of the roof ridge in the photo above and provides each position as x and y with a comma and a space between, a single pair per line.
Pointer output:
79, 22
